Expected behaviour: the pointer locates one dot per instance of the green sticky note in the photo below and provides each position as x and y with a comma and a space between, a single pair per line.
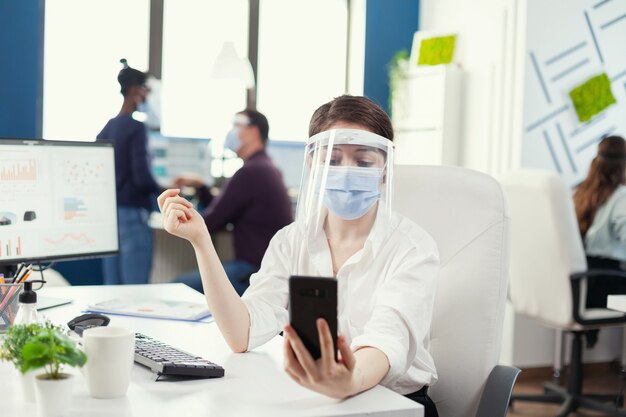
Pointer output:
592, 97
435, 51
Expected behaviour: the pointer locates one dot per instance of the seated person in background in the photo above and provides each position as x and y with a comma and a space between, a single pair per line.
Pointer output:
254, 201
385, 265
600, 202
135, 184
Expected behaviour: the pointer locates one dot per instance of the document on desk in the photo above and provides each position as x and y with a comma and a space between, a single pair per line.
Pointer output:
153, 308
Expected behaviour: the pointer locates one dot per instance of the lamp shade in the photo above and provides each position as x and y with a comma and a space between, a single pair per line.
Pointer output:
229, 65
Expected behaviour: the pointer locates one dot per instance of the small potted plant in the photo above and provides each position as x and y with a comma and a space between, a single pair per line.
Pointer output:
48, 350
11, 351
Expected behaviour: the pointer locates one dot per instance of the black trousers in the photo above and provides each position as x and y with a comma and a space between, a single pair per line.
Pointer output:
599, 288
421, 396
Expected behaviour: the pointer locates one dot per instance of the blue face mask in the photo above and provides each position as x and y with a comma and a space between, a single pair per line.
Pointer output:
233, 141
352, 191
143, 107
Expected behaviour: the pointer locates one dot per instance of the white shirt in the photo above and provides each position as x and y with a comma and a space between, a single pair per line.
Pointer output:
385, 293
606, 237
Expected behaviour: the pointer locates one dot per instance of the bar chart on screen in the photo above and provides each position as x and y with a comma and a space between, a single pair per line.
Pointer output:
19, 175
73, 208
18, 170
11, 247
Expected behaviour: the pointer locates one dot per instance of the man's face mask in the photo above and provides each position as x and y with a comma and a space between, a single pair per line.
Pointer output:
233, 141
352, 191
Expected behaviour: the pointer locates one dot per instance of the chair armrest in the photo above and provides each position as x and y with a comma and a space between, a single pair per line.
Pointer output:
578, 302
598, 273
494, 401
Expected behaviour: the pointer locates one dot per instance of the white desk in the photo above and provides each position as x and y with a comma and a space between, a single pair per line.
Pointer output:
616, 302
255, 383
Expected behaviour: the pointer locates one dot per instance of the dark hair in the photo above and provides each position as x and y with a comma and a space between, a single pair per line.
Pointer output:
129, 77
352, 109
260, 121
605, 175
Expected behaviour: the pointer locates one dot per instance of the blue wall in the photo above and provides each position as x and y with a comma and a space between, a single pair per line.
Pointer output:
20, 66
389, 27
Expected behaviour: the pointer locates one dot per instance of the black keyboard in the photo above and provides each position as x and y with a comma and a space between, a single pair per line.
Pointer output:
168, 360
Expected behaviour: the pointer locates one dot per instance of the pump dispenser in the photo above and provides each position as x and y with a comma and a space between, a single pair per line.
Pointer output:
27, 311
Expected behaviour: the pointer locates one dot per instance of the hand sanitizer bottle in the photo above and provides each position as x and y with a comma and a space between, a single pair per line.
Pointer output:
27, 310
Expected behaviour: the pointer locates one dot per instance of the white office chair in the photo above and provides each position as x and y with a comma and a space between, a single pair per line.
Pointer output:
548, 277
53, 278
465, 212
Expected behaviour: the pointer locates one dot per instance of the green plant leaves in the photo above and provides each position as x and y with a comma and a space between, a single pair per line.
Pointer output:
34, 356
396, 69
15, 339
41, 346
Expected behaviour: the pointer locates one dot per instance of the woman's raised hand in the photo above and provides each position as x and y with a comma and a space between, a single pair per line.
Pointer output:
179, 217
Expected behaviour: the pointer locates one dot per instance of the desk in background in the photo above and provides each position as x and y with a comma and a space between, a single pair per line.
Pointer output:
255, 383
173, 256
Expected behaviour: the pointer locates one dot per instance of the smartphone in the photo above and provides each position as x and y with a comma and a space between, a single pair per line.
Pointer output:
311, 298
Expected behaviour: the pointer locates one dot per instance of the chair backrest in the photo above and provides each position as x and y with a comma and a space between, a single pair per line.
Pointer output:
545, 245
54, 278
465, 212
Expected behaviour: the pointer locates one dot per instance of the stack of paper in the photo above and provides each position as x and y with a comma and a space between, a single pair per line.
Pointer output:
153, 308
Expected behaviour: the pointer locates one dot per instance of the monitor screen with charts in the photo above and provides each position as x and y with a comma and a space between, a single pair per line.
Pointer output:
172, 156
288, 157
57, 200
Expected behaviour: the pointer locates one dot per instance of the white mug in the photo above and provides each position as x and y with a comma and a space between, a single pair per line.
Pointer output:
110, 356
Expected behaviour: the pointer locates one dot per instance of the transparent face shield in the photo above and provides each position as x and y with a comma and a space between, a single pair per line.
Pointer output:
347, 173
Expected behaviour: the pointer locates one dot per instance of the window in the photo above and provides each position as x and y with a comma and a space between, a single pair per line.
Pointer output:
81, 62
302, 61
193, 103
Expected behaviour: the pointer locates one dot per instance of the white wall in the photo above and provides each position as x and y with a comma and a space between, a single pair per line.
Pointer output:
486, 29
491, 49
589, 42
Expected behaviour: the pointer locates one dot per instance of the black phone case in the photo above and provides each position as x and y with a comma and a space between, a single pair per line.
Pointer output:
311, 298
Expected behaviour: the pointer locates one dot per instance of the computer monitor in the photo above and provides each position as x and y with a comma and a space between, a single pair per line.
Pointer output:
57, 200
174, 156
288, 157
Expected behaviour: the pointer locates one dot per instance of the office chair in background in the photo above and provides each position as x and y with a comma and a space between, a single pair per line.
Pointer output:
466, 213
549, 278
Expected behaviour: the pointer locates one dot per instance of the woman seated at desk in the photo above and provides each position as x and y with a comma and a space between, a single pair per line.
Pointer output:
386, 266
600, 202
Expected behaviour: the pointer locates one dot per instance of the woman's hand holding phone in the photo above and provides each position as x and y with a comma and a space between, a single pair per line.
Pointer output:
336, 379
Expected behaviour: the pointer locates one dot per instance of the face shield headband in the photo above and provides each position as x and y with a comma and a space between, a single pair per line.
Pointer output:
347, 171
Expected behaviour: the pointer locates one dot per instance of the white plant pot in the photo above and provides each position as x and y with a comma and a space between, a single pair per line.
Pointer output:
27, 383
54, 396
